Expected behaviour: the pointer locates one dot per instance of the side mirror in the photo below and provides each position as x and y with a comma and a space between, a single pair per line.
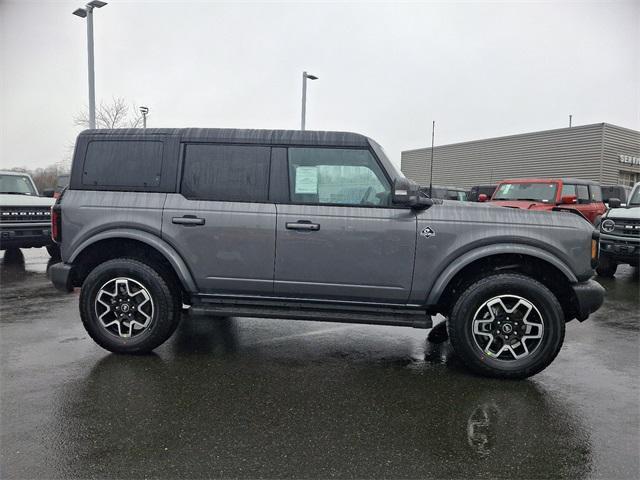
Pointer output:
483, 197
569, 199
406, 192
614, 203
48, 192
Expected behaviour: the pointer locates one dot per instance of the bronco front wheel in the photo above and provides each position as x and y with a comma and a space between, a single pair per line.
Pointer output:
507, 325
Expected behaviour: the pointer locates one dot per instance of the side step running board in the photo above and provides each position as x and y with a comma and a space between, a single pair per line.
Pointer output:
407, 317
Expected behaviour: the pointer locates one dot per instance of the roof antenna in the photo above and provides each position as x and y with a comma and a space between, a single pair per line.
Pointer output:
433, 132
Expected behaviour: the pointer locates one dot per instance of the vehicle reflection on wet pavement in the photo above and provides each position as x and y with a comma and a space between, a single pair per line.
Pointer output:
240, 397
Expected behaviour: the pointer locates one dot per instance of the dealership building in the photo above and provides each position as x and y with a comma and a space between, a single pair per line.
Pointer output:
602, 152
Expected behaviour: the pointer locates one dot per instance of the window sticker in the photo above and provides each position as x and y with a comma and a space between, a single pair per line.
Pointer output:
306, 180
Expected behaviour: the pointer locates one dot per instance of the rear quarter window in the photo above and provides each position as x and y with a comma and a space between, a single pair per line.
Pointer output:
121, 164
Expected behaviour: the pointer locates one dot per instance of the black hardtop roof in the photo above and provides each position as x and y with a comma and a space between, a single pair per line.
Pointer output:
240, 135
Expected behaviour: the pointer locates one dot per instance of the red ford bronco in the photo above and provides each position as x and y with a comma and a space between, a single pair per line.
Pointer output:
583, 197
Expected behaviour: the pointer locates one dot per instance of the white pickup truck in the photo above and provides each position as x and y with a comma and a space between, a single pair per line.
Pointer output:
25, 216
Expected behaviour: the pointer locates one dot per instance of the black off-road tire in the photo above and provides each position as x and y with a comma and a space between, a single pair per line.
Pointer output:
164, 294
606, 267
460, 325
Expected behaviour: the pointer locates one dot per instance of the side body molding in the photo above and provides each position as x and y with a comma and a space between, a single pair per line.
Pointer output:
502, 248
172, 256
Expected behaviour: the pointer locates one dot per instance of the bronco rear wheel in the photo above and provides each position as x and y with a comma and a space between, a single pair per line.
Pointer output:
507, 326
127, 306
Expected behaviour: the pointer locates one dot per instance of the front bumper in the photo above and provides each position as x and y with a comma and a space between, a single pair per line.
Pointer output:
588, 297
620, 249
60, 275
25, 236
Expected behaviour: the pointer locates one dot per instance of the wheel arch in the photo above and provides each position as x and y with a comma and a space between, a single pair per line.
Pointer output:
132, 244
529, 260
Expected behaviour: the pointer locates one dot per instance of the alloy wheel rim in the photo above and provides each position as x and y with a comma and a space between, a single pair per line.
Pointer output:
508, 328
124, 307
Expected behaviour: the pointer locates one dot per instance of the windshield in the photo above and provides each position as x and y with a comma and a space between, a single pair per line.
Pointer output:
17, 185
535, 192
635, 199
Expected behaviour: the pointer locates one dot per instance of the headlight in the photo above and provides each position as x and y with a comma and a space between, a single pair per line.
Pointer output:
608, 225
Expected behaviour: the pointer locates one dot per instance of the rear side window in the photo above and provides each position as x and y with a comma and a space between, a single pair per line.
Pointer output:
596, 193
135, 164
226, 173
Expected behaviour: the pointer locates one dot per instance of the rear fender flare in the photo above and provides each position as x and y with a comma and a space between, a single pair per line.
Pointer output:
172, 256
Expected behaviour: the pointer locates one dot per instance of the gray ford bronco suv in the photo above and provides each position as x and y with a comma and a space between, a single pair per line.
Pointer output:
308, 225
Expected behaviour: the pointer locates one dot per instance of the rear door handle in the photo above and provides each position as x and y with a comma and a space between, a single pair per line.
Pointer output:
305, 225
190, 220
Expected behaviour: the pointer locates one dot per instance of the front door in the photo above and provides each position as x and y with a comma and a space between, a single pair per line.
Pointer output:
221, 221
339, 237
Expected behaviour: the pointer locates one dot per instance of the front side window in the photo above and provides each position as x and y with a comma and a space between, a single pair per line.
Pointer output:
569, 190
583, 194
231, 173
336, 176
17, 185
534, 192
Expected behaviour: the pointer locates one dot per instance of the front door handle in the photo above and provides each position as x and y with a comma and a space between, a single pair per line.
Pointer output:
190, 220
305, 225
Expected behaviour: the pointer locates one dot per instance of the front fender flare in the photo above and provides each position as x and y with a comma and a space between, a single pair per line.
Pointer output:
490, 250
172, 256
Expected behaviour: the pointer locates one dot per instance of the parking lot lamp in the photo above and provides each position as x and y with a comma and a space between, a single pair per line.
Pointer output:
87, 12
305, 75
144, 111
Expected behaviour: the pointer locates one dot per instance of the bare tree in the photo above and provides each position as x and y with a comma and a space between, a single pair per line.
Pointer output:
115, 114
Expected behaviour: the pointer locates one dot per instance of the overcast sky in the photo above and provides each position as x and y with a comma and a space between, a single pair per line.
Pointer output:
480, 69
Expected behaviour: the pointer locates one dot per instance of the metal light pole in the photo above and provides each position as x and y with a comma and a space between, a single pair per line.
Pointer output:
433, 136
144, 111
87, 13
305, 75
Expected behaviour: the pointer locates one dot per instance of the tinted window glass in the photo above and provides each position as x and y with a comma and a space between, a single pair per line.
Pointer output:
123, 164
596, 193
336, 176
226, 173
583, 194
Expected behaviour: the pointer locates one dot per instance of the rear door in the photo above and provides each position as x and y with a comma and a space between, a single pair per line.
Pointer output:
338, 236
221, 220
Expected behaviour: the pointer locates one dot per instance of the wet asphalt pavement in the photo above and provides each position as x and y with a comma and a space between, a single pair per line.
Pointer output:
250, 398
